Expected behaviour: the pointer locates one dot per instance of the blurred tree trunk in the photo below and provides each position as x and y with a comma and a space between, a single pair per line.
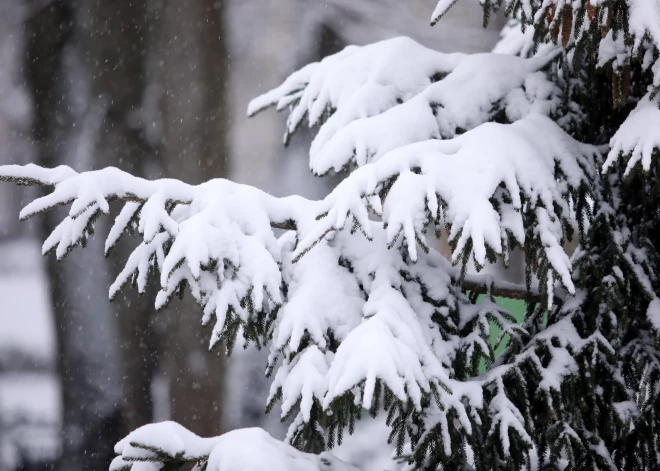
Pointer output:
86, 327
95, 107
15, 116
192, 65
114, 43
136, 53
86, 67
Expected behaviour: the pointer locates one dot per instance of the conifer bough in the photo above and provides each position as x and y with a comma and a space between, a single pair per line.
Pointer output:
551, 137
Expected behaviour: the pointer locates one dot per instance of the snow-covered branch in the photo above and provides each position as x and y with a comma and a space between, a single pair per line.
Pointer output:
373, 99
637, 137
357, 308
169, 445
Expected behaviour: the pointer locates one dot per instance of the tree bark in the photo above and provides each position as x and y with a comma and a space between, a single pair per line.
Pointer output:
87, 354
114, 39
89, 71
192, 69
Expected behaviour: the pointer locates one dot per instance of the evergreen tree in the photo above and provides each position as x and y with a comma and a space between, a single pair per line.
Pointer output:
553, 140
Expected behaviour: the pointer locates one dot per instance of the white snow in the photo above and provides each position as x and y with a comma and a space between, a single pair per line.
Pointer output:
381, 97
249, 449
521, 156
638, 136
653, 313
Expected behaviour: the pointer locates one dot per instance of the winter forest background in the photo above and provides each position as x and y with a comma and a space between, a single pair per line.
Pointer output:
158, 88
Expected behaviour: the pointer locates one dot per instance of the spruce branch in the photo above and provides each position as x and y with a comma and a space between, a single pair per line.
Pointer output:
484, 284
33, 175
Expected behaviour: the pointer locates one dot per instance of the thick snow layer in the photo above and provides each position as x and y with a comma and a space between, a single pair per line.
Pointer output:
521, 156
610, 49
638, 136
459, 102
250, 449
358, 82
644, 19
653, 314
373, 99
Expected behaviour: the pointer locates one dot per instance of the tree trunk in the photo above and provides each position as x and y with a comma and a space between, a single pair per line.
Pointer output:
95, 107
87, 354
86, 65
192, 68
114, 37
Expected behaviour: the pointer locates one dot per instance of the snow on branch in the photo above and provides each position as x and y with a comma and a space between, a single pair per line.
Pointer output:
643, 16
637, 137
168, 444
644, 21
373, 99
357, 82
164, 209
353, 322
480, 183
215, 238
91, 189
355, 317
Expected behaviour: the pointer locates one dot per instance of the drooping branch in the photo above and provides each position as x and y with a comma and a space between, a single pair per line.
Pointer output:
100, 187
180, 193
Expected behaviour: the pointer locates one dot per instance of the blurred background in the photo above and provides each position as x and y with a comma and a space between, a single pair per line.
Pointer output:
158, 88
